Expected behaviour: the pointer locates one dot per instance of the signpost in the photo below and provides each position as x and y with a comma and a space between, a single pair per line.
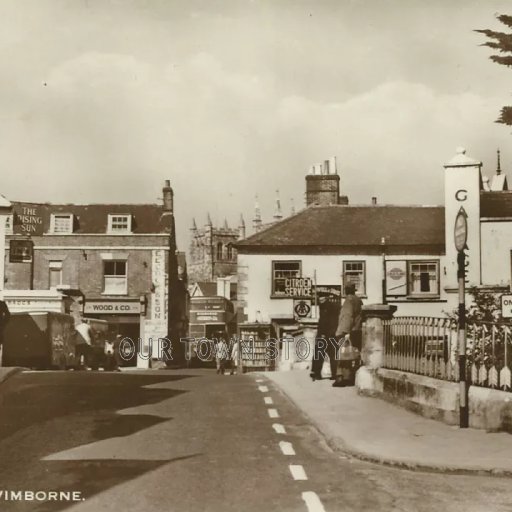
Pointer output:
506, 306
302, 308
460, 235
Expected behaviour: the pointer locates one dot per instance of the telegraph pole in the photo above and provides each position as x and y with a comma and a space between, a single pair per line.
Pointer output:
460, 237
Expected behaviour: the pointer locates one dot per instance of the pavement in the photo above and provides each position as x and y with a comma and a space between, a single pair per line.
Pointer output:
8, 371
378, 431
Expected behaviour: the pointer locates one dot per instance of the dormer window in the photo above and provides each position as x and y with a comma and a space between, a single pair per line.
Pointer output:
119, 223
61, 223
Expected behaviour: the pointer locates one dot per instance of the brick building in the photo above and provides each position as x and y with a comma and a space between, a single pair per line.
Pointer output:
110, 259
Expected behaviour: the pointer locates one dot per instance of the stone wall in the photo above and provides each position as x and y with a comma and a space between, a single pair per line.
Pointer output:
489, 409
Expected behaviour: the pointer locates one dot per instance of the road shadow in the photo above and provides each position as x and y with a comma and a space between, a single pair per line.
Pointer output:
89, 477
42, 414
32, 398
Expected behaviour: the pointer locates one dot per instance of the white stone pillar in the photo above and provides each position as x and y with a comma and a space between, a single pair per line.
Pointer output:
372, 353
462, 186
5, 211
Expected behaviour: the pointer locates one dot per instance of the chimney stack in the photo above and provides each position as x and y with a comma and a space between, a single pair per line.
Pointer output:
168, 197
323, 185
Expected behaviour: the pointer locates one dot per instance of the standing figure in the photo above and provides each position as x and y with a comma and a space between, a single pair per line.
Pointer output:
325, 342
234, 358
83, 347
118, 358
349, 327
5, 315
221, 356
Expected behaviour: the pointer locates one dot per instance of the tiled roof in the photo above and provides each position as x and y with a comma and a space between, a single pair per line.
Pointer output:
93, 218
362, 227
496, 204
208, 289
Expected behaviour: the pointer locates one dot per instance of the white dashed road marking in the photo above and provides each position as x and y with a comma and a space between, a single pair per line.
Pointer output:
279, 428
313, 502
298, 472
286, 448
273, 413
268, 400
263, 389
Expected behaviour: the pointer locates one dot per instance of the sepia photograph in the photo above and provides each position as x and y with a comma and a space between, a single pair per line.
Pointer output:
256, 256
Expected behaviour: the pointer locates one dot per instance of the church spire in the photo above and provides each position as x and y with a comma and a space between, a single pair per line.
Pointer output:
241, 228
278, 215
256, 222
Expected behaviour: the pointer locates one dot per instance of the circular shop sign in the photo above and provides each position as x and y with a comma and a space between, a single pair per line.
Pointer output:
396, 273
302, 309
460, 232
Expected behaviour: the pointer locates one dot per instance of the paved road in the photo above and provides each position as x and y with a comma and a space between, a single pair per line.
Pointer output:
194, 441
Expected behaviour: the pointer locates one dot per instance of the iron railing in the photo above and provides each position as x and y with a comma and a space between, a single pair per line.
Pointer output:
428, 346
422, 345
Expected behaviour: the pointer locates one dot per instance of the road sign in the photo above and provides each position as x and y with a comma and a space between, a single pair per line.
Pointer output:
506, 306
302, 308
460, 232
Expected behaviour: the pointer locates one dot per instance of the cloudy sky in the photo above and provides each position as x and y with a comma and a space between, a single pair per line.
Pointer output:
101, 100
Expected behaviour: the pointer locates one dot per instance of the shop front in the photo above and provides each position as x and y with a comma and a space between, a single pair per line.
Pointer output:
26, 301
124, 317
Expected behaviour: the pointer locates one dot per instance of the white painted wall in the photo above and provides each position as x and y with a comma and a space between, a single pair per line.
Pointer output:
496, 249
255, 283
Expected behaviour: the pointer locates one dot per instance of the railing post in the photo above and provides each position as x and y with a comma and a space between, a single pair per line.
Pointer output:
374, 315
372, 353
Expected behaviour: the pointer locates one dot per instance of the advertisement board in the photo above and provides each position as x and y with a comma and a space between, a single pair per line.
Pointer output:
20, 251
396, 278
27, 220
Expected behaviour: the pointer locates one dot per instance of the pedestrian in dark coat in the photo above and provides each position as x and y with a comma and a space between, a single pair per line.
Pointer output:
325, 342
349, 326
5, 315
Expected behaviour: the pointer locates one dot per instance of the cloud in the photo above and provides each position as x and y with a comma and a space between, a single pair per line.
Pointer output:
112, 126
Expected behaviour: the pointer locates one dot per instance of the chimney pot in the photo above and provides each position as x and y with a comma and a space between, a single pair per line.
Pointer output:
168, 196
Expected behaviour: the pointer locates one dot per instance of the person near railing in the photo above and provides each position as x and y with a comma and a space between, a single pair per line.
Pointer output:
349, 327
325, 341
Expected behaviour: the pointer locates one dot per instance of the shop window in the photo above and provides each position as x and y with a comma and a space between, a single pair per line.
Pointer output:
55, 270
61, 223
281, 271
423, 277
354, 272
220, 249
115, 277
120, 223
